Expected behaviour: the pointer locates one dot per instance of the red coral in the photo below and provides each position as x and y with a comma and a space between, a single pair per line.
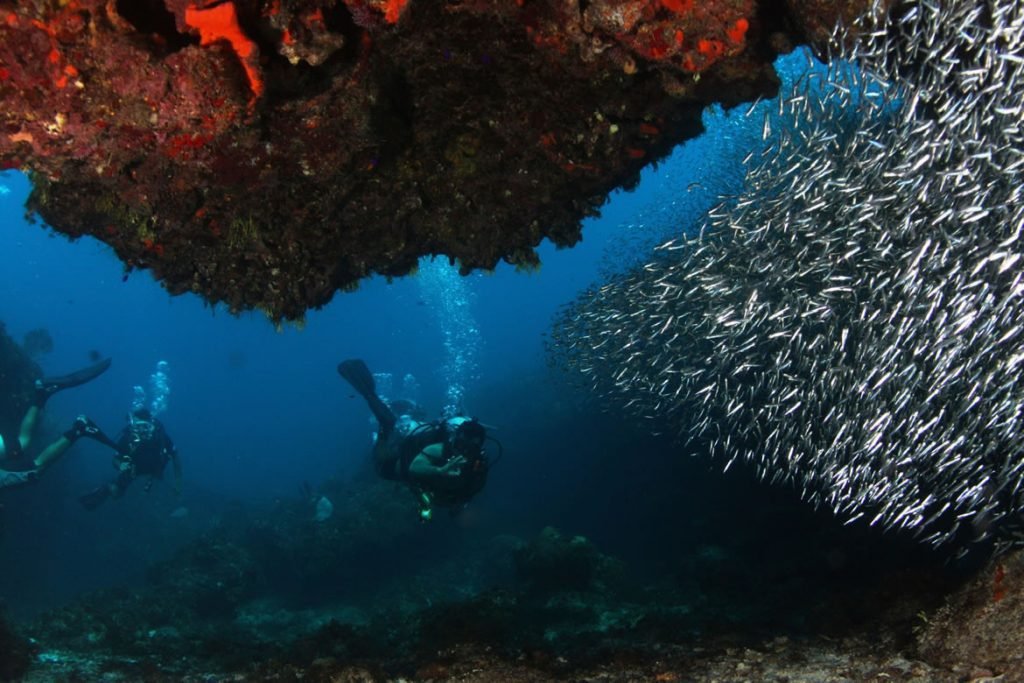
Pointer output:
393, 10
184, 146
998, 589
738, 31
678, 6
221, 23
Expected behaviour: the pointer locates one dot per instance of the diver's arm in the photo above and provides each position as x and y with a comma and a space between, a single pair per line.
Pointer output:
424, 470
172, 453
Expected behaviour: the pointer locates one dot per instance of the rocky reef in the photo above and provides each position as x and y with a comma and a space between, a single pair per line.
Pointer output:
267, 153
978, 632
15, 653
370, 594
551, 563
18, 373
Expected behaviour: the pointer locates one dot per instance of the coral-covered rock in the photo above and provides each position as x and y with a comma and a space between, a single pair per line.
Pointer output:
816, 19
18, 372
552, 562
210, 578
407, 622
15, 653
267, 153
980, 630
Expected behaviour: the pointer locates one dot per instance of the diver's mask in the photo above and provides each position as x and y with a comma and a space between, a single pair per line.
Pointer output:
141, 428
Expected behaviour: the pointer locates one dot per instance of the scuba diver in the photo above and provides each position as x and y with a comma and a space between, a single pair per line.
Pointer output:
16, 467
444, 463
143, 448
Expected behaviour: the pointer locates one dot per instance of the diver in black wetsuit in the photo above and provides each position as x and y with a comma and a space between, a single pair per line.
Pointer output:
144, 448
444, 463
16, 467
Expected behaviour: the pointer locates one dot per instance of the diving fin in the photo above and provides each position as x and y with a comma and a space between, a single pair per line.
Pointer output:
359, 376
48, 386
93, 499
355, 372
83, 426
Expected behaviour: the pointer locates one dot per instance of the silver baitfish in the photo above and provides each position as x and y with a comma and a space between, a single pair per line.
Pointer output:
853, 323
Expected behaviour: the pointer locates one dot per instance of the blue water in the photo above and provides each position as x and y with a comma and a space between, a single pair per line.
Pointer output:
256, 412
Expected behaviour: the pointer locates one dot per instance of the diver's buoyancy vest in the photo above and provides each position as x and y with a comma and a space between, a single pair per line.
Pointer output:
416, 441
151, 456
473, 478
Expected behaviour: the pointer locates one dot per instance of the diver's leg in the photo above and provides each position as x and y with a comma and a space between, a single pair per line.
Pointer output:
82, 426
120, 485
28, 426
52, 452
10, 456
384, 416
386, 454
10, 449
99, 495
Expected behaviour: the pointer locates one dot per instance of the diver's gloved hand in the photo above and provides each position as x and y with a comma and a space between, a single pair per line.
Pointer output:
453, 468
82, 426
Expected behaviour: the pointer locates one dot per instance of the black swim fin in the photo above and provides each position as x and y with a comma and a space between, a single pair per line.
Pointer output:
48, 386
356, 373
83, 426
93, 499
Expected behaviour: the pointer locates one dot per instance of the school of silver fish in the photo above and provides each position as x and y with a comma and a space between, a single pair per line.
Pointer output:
853, 322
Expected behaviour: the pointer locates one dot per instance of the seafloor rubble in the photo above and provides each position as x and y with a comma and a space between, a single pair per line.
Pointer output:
265, 153
371, 595
15, 653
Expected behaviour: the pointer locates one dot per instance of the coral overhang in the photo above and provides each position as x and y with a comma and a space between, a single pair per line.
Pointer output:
267, 153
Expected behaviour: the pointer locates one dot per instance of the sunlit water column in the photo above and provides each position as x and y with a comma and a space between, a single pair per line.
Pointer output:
159, 391
451, 299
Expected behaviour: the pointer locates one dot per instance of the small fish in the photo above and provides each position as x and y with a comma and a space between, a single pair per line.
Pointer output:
851, 322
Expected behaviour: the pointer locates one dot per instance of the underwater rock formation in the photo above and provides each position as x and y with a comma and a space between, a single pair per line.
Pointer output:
551, 562
225, 588
15, 653
267, 153
852, 323
979, 631
18, 373
411, 625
